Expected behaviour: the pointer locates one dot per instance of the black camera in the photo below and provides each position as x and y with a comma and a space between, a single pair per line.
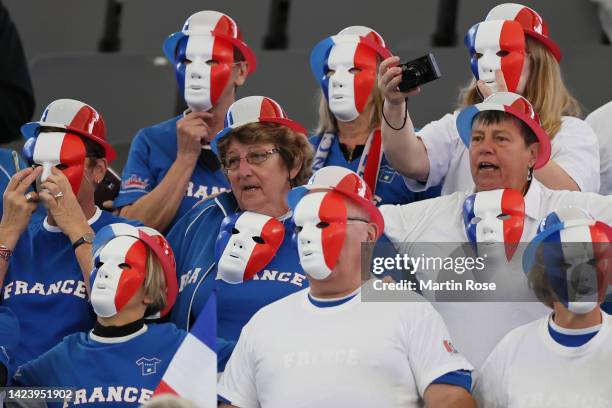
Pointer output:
418, 72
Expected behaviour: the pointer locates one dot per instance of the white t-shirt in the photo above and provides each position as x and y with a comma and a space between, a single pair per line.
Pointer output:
356, 354
528, 368
476, 327
574, 149
601, 122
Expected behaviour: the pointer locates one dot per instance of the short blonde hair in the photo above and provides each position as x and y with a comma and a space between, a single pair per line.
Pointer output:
294, 148
155, 286
329, 123
545, 89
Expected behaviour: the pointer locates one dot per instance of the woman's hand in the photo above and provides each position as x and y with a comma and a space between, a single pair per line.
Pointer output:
57, 196
486, 91
389, 78
18, 205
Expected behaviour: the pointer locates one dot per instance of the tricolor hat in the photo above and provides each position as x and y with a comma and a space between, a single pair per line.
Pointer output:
155, 242
565, 235
533, 24
74, 117
343, 181
354, 34
515, 105
210, 23
254, 109
561, 219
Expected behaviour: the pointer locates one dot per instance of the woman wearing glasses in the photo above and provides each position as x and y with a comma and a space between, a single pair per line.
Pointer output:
264, 155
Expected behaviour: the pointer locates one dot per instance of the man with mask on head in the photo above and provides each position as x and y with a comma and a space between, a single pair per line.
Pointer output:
170, 166
562, 360
45, 265
310, 349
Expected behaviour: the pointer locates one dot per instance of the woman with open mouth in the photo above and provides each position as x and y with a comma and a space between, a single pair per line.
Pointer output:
510, 51
264, 154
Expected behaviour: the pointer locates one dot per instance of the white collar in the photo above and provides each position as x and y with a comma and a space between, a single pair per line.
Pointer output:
533, 200
53, 228
115, 340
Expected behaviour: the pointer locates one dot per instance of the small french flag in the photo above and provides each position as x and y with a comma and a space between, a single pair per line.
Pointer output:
192, 373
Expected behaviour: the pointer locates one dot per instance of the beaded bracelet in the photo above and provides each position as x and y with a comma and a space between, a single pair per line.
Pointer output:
5, 253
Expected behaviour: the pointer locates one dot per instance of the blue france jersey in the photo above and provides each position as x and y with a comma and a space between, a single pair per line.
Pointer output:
44, 287
152, 153
390, 186
193, 240
106, 374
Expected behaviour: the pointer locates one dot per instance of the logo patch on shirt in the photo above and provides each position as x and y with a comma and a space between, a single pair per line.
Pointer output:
148, 365
135, 183
386, 174
449, 347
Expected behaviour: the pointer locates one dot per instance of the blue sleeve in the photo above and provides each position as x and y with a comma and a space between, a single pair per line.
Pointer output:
137, 179
460, 378
607, 307
385, 249
224, 351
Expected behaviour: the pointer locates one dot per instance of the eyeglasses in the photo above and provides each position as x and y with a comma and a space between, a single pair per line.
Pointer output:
255, 157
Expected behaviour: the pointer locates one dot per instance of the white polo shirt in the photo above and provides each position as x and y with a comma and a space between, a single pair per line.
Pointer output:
356, 354
601, 122
574, 149
529, 369
476, 327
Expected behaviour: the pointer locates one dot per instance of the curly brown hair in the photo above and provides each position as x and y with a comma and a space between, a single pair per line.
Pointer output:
294, 148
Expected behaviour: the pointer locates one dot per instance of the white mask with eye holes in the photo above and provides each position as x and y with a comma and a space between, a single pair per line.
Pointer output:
120, 271
247, 242
494, 222
341, 86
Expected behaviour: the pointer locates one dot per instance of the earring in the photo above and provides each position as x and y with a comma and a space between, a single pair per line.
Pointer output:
529, 173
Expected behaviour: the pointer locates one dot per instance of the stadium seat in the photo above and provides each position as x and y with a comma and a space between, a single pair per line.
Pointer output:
285, 76
400, 24
57, 26
145, 24
131, 91
563, 18
586, 71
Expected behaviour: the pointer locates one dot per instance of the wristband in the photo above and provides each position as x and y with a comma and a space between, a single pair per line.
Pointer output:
5, 253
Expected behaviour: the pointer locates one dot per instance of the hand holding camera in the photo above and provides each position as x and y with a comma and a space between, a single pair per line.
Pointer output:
400, 81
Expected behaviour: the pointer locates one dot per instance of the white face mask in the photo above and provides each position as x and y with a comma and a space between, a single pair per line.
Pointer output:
253, 242
341, 87
320, 220
198, 73
494, 221
113, 283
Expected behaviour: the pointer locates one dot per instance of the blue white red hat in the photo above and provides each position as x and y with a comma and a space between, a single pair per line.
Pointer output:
254, 109
576, 255
155, 242
515, 105
343, 181
74, 117
592, 231
354, 34
533, 24
211, 23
